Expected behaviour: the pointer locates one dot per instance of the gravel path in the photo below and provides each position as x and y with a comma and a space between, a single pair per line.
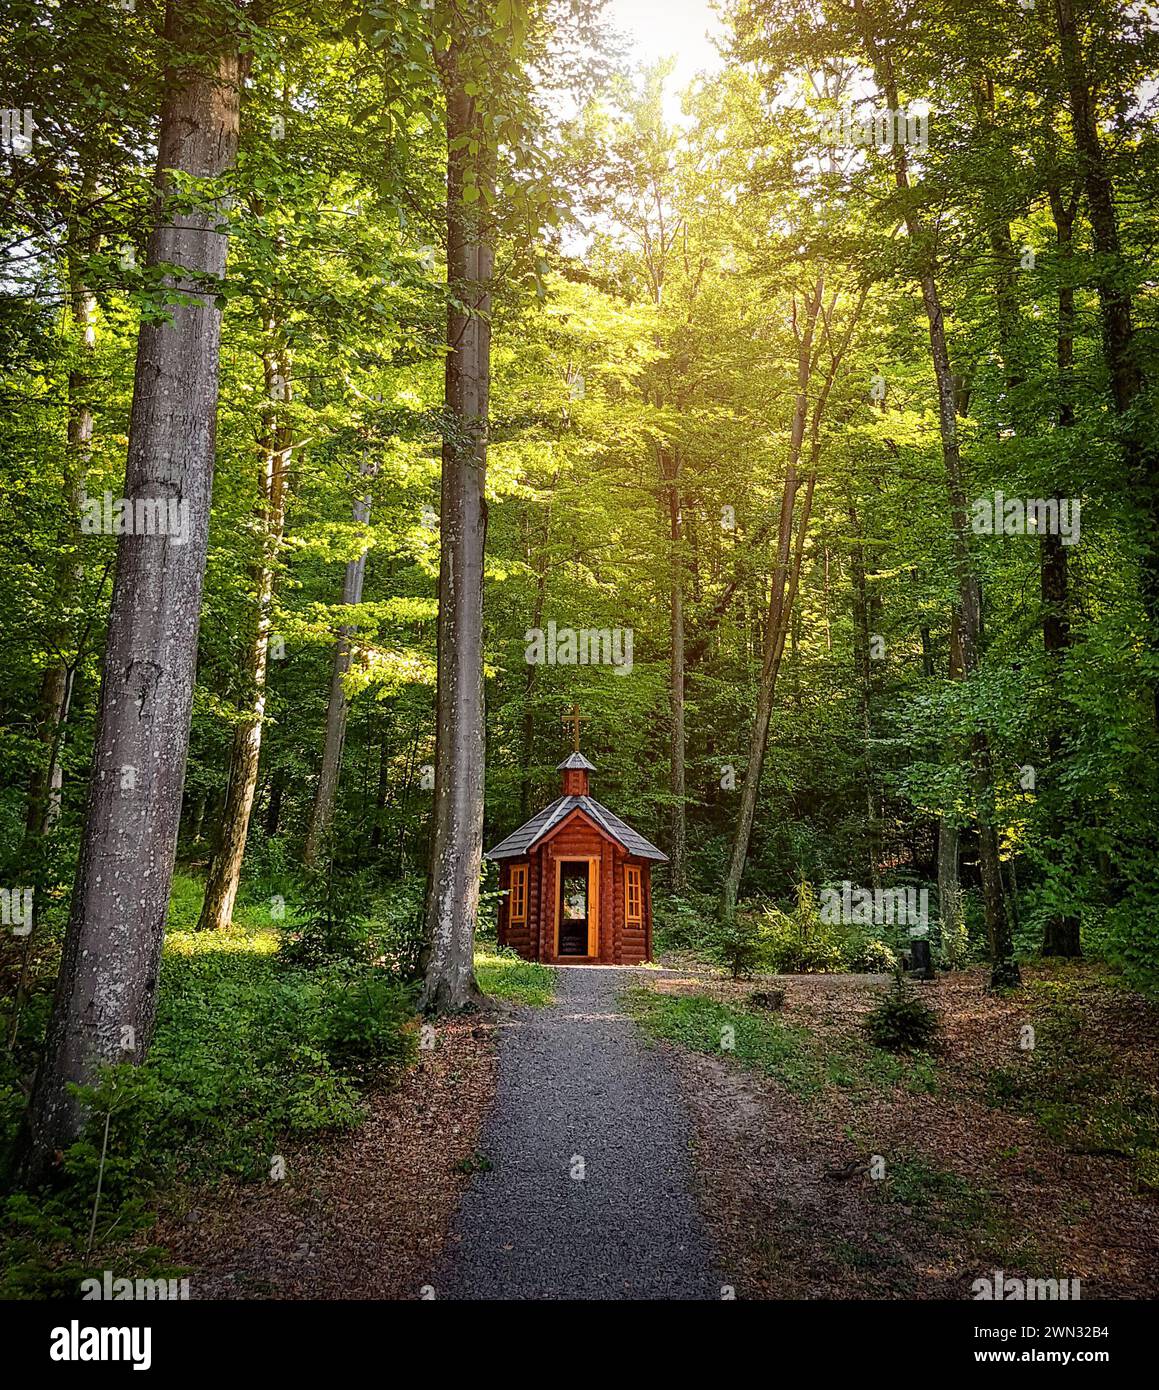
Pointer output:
576, 1085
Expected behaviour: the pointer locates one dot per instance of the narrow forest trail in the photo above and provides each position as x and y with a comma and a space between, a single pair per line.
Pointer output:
577, 1086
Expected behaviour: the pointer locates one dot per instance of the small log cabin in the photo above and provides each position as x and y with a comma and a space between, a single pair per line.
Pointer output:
577, 881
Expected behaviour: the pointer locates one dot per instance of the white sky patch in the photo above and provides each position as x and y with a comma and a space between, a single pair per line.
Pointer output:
677, 29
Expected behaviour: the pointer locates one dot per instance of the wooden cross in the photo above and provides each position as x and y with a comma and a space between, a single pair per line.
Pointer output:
575, 719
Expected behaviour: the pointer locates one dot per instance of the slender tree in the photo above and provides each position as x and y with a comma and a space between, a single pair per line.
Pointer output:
276, 454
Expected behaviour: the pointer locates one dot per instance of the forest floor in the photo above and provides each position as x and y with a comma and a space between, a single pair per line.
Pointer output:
1040, 1161
360, 1215
752, 1159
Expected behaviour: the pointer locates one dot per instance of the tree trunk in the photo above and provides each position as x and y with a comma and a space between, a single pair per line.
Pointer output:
274, 806
326, 795
862, 660
1061, 934
1115, 313
46, 783
225, 872
1004, 968
678, 837
1114, 301
456, 856
780, 606
951, 905
106, 993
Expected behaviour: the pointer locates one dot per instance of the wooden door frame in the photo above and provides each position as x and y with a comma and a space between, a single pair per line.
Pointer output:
593, 902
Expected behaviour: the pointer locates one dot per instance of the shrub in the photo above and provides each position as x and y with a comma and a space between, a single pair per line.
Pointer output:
736, 944
368, 1022
871, 956
337, 913
766, 999
902, 1021
799, 942
682, 923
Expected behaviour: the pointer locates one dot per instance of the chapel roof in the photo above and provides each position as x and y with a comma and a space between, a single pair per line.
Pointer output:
574, 761
521, 841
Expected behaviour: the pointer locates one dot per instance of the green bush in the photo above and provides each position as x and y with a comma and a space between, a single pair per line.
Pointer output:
799, 942
336, 923
682, 923
902, 1021
368, 1023
737, 945
870, 956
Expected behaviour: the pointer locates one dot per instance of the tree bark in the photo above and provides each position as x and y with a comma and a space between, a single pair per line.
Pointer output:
106, 993
1004, 968
678, 822
780, 606
1061, 933
326, 795
456, 855
225, 872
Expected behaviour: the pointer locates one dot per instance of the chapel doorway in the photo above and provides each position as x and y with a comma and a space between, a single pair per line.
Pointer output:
574, 907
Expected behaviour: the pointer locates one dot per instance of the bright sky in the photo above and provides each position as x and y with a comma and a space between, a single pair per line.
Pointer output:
669, 28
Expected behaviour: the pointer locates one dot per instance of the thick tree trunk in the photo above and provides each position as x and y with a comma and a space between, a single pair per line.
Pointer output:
457, 832
225, 872
953, 923
1004, 968
106, 992
326, 795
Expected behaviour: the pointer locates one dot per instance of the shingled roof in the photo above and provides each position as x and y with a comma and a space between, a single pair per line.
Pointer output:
520, 841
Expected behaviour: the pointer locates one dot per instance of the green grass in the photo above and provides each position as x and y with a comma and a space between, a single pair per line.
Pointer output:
795, 1057
509, 977
950, 1203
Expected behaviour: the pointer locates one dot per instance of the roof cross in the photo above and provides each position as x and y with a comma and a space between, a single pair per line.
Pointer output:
575, 719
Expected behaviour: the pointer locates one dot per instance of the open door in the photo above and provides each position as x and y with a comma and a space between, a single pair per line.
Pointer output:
577, 909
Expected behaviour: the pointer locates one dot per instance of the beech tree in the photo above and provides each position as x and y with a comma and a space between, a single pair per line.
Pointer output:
106, 994
457, 822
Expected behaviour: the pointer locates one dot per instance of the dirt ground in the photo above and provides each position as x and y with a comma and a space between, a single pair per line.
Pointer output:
966, 1187
360, 1216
